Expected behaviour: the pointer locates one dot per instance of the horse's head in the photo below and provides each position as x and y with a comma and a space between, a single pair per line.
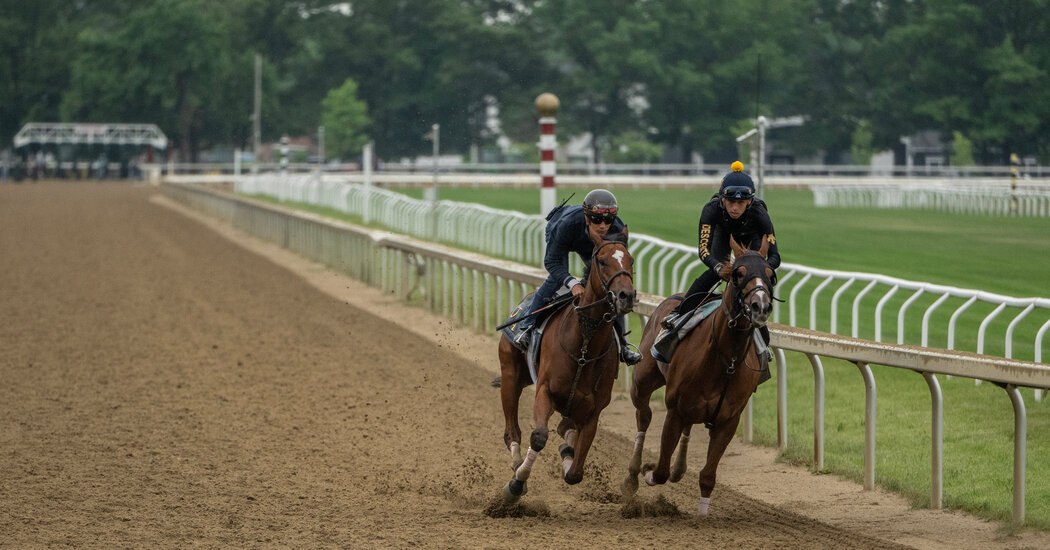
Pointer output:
612, 271
751, 284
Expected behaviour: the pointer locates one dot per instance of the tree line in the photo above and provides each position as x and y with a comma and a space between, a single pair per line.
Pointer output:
685, 74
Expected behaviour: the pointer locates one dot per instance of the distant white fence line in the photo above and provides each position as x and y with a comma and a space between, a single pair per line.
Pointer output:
861, 305
480, 292
991, 198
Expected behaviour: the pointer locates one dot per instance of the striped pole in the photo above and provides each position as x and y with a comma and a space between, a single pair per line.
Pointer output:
547, 108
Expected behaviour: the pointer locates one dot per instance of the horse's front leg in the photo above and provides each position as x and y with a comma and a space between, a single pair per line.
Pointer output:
567, 430
678, 470
721, 435
574, 473
641, 392
541, 411
673, 426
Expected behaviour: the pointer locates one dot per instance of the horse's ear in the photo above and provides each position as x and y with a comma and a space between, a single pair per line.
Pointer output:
738, 250
764, 250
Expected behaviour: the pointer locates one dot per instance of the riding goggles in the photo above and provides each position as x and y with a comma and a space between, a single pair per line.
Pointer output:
601, 218
738, 192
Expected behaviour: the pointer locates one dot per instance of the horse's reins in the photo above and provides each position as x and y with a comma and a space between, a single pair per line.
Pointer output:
732, 320
589, 325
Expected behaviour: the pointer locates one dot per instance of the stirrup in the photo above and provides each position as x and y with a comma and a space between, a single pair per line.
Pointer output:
629, 356
523, 339
669, 321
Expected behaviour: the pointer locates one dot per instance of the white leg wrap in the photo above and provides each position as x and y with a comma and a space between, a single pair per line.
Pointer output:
639, 439
526, 467
515, 450
566, 463
704, 504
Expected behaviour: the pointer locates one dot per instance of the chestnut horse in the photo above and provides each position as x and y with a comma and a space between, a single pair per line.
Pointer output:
577, 366
710, 378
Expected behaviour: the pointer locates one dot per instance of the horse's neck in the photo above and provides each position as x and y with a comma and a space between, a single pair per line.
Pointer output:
737, 335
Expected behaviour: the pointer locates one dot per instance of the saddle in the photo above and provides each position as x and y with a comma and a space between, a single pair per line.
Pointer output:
697, 307
543, 315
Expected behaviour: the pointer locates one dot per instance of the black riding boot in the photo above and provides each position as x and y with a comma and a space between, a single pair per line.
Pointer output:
627, 355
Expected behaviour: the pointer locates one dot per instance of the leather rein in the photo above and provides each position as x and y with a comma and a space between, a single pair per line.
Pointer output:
589, 325
739, 299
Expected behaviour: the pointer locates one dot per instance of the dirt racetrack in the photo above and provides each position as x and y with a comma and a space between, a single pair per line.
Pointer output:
164, 386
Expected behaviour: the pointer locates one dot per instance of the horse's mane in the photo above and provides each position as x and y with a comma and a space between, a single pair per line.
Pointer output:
618, 237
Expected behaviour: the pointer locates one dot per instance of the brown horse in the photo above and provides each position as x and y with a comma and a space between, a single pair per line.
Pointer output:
576, 369
710, 378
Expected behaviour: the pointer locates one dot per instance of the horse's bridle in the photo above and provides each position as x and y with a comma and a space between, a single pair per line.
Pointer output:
740, 297
589, 325
608, 297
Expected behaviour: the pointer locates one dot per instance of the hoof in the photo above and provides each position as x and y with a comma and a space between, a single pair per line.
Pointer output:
630, 485
566, 451
513, 491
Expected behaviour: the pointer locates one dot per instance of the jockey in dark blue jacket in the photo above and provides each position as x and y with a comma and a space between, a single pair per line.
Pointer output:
567, 231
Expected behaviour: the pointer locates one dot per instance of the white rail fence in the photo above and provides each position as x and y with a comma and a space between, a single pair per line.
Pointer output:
997, 199
479, 291
861, 305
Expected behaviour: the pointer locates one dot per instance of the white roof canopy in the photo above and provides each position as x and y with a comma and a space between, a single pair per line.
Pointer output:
102, 133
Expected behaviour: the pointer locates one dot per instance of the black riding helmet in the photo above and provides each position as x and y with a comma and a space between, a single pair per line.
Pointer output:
600, 201
737, 185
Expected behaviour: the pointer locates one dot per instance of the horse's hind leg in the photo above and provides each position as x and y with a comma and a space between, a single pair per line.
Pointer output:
511, 363
679, 467
542, 411
641, 392
721, 435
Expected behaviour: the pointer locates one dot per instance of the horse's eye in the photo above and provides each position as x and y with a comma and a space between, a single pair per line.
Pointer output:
601, 262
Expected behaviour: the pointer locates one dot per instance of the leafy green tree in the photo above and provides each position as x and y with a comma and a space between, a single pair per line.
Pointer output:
600, 49
36, 41
861, 146
345, 118
968, 66
632, 148
161, 65
962, 150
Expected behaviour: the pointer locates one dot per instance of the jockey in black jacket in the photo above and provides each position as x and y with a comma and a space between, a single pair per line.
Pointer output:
567, 230
735, 212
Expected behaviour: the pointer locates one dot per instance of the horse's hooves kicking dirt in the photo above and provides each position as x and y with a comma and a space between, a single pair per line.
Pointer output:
629, 486
643, 508
532, 509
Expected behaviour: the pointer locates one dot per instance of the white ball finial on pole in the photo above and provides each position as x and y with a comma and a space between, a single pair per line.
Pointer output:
547, 107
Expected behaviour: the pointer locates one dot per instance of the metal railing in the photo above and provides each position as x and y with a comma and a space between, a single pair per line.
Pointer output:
998, 198
480, 292
816, 298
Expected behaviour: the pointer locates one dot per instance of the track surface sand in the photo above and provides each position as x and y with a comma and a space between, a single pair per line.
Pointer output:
164, 386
